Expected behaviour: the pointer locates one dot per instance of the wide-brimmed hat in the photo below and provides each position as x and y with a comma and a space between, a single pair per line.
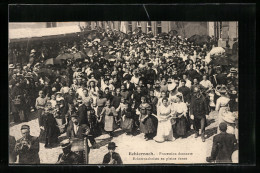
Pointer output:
92, 80
11, 66
25, 127
169, 80
111, 145
65, 143
233, 70
79, 100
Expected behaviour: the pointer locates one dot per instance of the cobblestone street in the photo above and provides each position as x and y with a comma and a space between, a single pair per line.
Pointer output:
187, 150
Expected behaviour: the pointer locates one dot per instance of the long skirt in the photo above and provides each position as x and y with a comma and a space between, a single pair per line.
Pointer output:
127, 124
220, 115
181, 126
109, 124
40, 116
147, 126
164, 131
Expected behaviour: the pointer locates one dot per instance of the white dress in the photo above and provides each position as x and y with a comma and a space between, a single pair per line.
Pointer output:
164, 129
222, 106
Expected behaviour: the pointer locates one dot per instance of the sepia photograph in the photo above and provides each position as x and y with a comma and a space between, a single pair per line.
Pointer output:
123, 92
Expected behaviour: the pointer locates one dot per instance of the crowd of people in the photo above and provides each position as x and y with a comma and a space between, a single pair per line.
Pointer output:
160, 86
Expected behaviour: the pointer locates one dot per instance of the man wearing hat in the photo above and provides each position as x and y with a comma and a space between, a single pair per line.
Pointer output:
67, 157
224, 144
27, 147
198, 111
112, 157
76, 130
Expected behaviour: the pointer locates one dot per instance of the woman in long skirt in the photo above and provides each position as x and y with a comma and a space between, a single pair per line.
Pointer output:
121, 108
40, 105
164, 129
127, 121
147, 125
109, 113
100, 103
222, 104
181, 125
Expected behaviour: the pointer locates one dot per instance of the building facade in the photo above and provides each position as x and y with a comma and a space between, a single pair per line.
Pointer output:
225, 32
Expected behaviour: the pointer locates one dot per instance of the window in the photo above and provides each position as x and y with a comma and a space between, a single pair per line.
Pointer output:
130, 26
51, 24
139, 25
218, 29
149, 26
112, 25
159, 30
159, 27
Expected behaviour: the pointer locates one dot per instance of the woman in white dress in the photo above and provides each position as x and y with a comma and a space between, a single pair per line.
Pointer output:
164, 129
222, 104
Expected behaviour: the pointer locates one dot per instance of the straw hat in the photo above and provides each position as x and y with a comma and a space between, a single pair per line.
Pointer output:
65, 143
92, 80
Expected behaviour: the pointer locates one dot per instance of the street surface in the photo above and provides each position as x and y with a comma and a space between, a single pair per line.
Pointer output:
134, 149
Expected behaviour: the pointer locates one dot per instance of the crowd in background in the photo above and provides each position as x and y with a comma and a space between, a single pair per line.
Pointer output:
157, 85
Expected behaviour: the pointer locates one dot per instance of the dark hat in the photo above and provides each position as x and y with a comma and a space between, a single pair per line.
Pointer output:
127, 77
111, 145
25, 127
223, 127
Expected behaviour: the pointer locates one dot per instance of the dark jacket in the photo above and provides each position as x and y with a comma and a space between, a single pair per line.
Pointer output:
224, 144
82, 112
70, 158
115, 156
51, 127
116, 101
130, 87
199, 107
26, 155
12, 153
185, 92
71, 134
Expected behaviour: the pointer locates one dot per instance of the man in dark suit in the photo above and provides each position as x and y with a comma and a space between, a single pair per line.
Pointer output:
198, 111
82, 112
224, 144
27, 148
67, 157
112, 157
77, 130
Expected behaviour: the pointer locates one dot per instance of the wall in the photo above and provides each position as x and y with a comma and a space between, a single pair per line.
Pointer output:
20, 25
188, 29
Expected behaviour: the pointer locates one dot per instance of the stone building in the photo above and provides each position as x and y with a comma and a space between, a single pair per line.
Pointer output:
225, 32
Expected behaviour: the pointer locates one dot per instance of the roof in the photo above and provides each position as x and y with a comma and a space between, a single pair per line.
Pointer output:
41, 32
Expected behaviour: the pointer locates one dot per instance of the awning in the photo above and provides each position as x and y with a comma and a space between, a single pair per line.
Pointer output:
22, 34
